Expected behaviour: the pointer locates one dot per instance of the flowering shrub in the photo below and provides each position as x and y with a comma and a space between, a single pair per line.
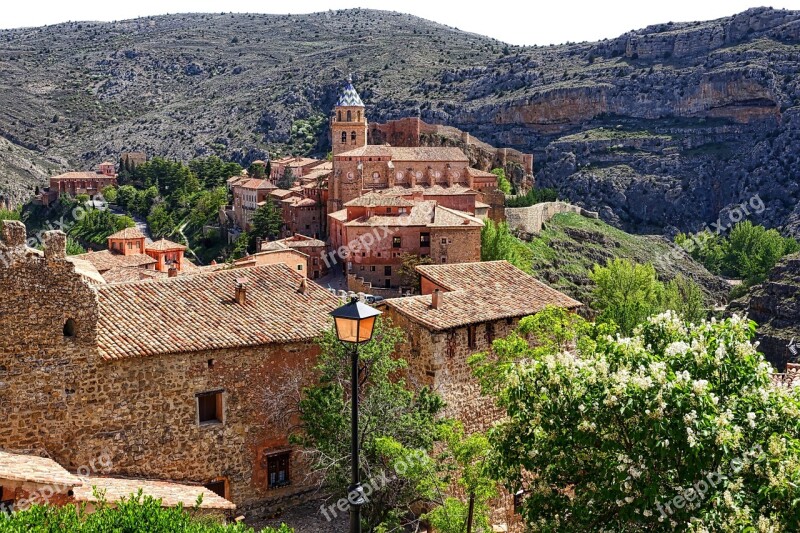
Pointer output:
675, 427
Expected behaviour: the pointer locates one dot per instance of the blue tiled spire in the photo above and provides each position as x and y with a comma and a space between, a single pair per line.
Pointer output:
349, 97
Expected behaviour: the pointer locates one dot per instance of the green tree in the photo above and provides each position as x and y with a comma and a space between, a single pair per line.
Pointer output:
752, 251
678, 427
392, 419
126, 197
74, 247
160, 221
497, 242
625, 293
257, 170
110, 194
686, 298
287, 180
409, 277
533, 196
267, 222
95, 226
502, 182
212, 171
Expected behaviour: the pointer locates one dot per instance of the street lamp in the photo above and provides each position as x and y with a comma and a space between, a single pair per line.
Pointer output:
354, 324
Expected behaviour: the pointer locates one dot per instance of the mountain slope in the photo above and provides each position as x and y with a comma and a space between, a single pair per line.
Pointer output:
658, 129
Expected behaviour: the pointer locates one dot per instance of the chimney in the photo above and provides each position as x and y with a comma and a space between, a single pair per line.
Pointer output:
241, 291
55, 244
436, 299
213, 262
303, 286
172, 272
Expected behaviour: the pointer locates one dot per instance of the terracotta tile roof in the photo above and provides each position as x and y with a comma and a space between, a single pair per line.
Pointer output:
105, 260
34, 469
340, 215
257, 184
399, 153
790, 378
86, 269
303, 161
296, 241
190, 313
282, 193
375, 199
128, 233
421, 214
171, 494
124, 275
163, 245
81, 175
478, 292
477, 173
446, 217
481, 205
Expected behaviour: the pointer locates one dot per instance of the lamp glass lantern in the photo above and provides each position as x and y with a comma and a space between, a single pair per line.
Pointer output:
354, 322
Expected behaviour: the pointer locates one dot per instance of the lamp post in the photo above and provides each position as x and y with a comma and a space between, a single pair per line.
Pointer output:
354, 324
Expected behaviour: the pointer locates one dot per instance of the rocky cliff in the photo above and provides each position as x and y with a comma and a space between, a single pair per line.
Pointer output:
659, 130
775, 307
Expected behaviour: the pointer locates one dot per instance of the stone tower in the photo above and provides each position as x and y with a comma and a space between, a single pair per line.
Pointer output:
348, 123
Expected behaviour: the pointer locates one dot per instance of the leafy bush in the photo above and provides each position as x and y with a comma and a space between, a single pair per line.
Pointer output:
497, 242
137, 514
533, 196
675, 428
95, 226
748, 252
502, 181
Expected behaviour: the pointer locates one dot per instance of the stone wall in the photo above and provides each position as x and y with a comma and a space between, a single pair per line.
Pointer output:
62, 400
530, 219
455, 244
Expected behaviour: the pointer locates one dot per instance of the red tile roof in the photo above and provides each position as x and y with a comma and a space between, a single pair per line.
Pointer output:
190, 313
105, 260
374, 199
163, 245
34, 469
478, 292
171, 494
398, 153
258, 184
81, 175
477, 173
128, 233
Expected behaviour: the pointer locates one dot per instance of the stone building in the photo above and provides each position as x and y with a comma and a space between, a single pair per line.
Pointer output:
378, 229
298, 167
248, 195
172, 378
75, 183
462, 309
313, 249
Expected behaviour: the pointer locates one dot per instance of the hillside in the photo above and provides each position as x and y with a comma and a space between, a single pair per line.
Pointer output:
658, 129
570, 245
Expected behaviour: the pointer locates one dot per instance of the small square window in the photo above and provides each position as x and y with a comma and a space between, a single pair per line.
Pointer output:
278, 470
299, 266
396, 242
372, 269
444, 241
217, 487
209, 407
444, 259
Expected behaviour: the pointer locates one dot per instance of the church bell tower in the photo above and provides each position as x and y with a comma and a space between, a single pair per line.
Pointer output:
348, 123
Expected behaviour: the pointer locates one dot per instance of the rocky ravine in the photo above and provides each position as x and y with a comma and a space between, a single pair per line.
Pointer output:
775, 306
659, 130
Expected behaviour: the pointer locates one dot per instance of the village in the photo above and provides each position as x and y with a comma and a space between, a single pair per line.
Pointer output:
161, 367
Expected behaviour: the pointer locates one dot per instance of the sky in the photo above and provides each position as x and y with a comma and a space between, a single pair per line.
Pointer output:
542, 23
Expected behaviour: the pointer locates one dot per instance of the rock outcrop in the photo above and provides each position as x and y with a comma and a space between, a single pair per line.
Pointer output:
775, 306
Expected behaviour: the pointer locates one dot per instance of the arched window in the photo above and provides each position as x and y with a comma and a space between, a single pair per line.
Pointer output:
349, 116
69, 328
359, 116
353, 137
344, 137
339, 115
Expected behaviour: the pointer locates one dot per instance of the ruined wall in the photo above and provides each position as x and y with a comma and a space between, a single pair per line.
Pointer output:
530, 219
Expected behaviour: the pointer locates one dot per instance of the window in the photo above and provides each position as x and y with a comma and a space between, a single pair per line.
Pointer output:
69, 328
339, 115
387, 271
444, 241
353, 137
444, 259
315, 261
299, 266
209, 407
349, 116
509, 321
402, 211
372, 269
425, 240
359, 116
387, 284
344, 137
388, 209
217, 487
471, 340
278, 470
396, 242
